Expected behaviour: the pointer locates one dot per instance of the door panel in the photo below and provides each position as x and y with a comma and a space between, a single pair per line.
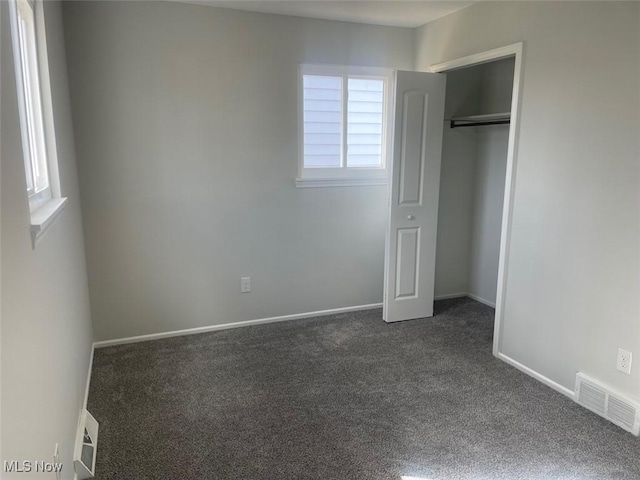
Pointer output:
412, 148
413, 203
407, 260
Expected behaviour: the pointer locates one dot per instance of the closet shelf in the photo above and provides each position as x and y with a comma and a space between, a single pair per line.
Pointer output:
479, 120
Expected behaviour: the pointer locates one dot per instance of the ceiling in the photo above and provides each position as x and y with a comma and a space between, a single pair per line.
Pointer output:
399, 13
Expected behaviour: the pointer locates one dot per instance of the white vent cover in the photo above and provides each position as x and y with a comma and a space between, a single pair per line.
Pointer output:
84, 455
600, 399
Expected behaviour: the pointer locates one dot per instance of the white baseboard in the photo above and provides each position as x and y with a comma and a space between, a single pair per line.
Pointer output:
450, 295
465, 294
538, 376
225, 326
481, 300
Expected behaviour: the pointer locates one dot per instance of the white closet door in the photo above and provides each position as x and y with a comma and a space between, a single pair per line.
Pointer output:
413, 212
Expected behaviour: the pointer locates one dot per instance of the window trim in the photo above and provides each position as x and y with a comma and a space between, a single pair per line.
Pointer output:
45, 204
345, 176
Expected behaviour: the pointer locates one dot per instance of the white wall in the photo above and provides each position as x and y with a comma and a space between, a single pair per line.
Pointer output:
455, 210
186, 128
488, 200
46, 326
574, 265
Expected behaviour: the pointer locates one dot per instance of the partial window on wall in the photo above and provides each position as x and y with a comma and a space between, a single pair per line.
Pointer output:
36, 116
343, 125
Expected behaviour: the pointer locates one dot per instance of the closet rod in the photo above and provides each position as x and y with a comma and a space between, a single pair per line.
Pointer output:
478, 120
455, 124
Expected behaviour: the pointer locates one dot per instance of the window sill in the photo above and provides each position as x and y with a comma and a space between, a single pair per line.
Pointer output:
340, 182
43, 217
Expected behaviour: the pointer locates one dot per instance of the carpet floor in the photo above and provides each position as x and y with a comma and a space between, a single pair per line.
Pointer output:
343, 397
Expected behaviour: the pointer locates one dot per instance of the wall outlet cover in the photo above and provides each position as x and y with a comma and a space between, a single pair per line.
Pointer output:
245, 284
624, 361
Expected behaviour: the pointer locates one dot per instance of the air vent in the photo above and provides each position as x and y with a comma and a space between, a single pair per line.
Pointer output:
622, 413
600, 399
593, 398
84, 455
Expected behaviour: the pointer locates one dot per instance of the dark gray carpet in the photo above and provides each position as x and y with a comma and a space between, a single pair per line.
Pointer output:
343, 397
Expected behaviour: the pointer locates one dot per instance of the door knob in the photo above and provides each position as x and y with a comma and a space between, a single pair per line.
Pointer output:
411, 217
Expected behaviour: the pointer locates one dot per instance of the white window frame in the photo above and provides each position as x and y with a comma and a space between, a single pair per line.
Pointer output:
343, 175
36, 114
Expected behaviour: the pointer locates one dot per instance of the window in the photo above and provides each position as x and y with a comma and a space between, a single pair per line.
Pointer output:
36, 117
35, 155
343, 125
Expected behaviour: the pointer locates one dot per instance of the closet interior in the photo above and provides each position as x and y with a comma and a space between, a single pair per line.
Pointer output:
472, 182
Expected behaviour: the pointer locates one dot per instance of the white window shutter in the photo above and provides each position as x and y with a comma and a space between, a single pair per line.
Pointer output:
322, 97
365, 122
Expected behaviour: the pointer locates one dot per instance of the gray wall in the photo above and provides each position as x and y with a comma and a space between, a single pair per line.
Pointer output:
496, 85
457, 178
573, 278
186, 127
496, 89
46, 327
472, 179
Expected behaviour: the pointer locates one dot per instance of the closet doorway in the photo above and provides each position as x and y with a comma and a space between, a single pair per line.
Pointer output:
473, 185
482, 89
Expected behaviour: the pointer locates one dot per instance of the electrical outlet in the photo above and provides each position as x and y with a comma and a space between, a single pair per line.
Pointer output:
624, 361
245, 284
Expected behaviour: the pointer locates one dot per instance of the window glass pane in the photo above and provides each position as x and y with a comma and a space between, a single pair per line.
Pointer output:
28, 139
322, 107
364, 122
35, 156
